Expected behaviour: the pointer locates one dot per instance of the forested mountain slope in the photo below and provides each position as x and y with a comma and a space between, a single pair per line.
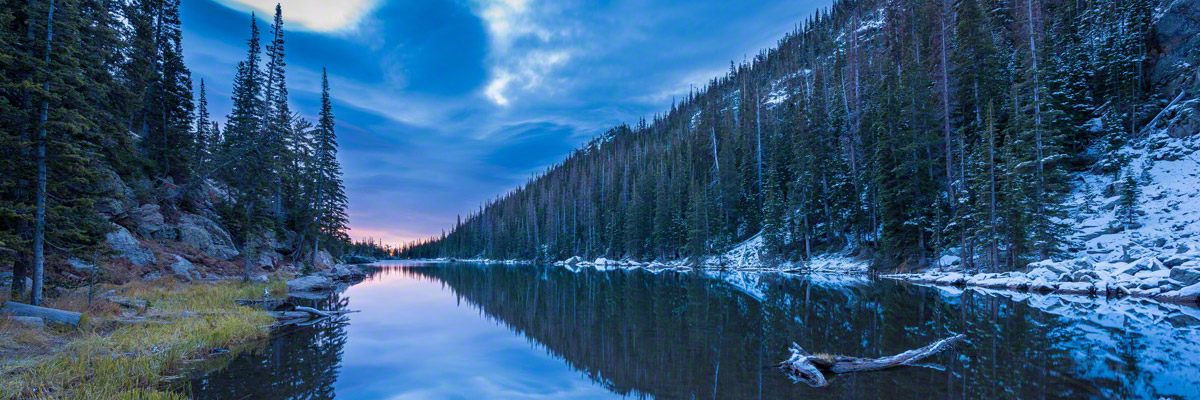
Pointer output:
901, 131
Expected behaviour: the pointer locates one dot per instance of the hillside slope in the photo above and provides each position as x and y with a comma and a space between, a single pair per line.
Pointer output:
906, 134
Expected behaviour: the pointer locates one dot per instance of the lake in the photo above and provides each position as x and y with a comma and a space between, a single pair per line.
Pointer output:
474, 331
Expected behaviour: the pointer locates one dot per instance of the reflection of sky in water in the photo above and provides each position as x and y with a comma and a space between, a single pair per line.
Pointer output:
414, 340
467, 331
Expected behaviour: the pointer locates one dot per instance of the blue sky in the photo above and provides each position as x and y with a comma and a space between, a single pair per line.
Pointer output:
444, 104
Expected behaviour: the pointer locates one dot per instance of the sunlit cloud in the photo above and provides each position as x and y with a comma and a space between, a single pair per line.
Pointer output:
314, 15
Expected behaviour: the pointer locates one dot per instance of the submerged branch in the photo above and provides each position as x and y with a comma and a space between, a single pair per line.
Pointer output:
810, 368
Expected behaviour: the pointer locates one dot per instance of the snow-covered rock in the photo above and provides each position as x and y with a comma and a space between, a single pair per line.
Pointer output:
1186, 274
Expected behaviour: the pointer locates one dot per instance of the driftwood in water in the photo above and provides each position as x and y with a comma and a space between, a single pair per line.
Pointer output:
810, 368
289, 313
47, 314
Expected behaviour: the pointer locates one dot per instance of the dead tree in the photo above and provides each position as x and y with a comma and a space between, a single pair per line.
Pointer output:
811, 368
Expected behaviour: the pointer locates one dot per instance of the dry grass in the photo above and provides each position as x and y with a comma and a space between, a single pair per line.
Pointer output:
131, 360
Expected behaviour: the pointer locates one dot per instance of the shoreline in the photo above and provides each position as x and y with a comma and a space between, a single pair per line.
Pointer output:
1010, 282
134, 338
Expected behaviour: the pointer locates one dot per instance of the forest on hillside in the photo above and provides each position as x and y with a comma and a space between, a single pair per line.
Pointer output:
894, 130
112, 166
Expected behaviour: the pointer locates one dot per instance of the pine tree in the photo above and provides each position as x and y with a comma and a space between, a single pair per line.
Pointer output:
329, 194
243, 149
1127, 204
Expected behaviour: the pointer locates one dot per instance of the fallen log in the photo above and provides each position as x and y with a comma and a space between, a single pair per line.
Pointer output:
47, 314
810, 368
313, 311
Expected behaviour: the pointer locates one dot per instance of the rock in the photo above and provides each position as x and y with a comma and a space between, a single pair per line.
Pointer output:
602, 261
573, 261
1186, 276
1085, 276
949, 260
1175, 34
1186, 122
260, 279
35, 323
268, 260
117, 198
324, 260
80, 265
153, 276
148, 221
206, 236
311, 283
208, 194
346, 273
1145, 264
1176, 261
1187, 294
126, 246
183, 269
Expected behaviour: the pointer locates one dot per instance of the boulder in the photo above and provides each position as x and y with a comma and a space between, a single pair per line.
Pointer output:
573, 260
260, 279
324, 260
116, 199
1145, 264
1187, 294
1176, 260
1185, 124
205, 235
80, 265
208, 194
126, 246
346, 273
147, 220
183, 269
308, 284
6, 279
1185, 275
268, 260
35, 323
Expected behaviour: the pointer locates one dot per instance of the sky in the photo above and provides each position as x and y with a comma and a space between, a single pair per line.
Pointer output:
442, 105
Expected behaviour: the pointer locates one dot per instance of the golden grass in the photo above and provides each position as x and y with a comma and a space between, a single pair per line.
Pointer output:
132, 360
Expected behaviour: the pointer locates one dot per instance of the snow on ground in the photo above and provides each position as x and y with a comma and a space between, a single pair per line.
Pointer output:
1158, 256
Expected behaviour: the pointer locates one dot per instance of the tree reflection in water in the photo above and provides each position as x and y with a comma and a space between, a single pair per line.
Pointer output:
296, 362
685, 335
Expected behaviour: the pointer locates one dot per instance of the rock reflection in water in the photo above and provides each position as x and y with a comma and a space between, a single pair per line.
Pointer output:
684, 335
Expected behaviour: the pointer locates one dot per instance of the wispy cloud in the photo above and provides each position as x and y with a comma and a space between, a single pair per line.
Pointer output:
314, 15
527, 45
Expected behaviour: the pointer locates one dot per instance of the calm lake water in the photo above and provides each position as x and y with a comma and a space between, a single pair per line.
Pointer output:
469, 331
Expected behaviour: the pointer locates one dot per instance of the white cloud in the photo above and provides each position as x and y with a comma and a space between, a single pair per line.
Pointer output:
315, 15
524, 50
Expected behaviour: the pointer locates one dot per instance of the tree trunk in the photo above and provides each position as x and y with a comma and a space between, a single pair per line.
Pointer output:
809, 368
39, 213
48, 314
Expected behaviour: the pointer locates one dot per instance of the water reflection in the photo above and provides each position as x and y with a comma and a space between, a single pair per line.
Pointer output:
684, 335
